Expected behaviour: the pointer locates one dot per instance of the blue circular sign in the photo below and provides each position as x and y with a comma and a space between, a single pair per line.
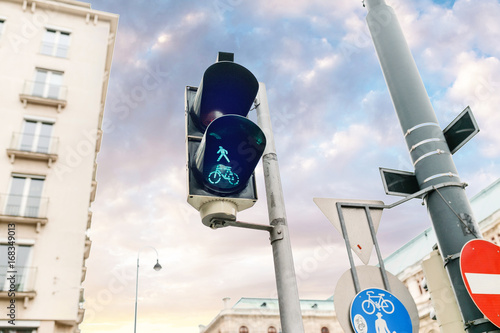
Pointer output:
376, 310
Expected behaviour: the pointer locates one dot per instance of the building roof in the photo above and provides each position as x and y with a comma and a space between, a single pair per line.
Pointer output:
272, 303
483, 204
411, 253
75, 3
486, 202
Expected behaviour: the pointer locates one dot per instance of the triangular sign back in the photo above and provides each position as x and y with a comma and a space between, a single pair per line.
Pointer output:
356, 222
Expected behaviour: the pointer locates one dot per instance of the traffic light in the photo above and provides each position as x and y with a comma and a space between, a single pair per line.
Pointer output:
441, 293
223, 145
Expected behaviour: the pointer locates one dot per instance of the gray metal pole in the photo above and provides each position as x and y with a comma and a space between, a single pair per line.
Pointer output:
448, 207
136, 291
373, 233
286, 282
347, 241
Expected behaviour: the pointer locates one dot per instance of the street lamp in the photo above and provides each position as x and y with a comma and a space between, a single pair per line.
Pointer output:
156, 267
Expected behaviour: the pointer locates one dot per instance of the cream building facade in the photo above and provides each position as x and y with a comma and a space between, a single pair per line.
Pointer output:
261, 315
55, 64
257, 315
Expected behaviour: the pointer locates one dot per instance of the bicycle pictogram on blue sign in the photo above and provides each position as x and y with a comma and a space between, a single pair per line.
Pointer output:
378, 311
376, 302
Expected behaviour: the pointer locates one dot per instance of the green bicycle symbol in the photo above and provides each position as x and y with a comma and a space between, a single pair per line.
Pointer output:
223, 172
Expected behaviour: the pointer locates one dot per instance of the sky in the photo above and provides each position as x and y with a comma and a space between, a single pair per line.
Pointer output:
334, 126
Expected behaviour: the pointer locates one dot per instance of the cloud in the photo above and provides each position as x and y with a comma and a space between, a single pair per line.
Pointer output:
303, 8
476, 85
346, 144
334, 126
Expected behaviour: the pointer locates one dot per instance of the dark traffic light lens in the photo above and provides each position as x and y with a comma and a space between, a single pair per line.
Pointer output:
226, 88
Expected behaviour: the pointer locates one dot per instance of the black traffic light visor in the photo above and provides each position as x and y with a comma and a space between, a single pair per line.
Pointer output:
226, 88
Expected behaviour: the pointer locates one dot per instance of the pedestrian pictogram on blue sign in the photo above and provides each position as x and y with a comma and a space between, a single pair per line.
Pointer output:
378, 311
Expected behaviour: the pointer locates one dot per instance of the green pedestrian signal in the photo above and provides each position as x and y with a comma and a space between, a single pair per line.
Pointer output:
223, 145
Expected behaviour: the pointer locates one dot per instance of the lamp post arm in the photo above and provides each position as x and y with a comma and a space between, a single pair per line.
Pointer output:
142, 248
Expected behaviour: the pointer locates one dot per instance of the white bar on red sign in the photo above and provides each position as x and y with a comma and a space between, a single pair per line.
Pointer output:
484, 283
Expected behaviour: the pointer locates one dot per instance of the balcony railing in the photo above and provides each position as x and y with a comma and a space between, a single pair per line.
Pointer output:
54, 49
36, 147
23, 206
34, 143
44, 93
45, 90
23, 281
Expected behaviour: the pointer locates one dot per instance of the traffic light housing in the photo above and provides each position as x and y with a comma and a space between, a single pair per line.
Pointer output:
223, 146
445, 306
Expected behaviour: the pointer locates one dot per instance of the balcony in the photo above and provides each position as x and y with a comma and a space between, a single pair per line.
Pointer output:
44, 94
84, 273
81, 309
93, 190
86, 251
80, 315
33, 147
89, 219
54, 49
23, 209
23, 284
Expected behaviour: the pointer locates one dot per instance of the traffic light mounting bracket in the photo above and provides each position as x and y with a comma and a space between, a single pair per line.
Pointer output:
219, 223
275, 231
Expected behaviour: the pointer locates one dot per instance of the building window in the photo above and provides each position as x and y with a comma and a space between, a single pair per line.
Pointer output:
495, 239
272, 329
47, 83
20, 264
243, 329
325, 330
36, 136
24, 196
55, 43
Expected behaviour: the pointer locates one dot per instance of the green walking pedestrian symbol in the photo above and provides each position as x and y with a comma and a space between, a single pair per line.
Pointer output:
223, 171
223, 153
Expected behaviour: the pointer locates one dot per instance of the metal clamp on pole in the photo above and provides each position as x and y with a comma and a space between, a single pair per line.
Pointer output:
276, 233
477, 322
422, 193
449, 258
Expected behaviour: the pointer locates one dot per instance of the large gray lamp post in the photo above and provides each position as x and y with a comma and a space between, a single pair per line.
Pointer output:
156, 267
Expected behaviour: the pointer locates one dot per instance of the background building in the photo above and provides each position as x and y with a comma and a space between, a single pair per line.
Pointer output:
261, 315
56, 59
253, 315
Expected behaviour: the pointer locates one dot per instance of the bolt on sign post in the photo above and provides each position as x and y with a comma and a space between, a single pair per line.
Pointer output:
431, 152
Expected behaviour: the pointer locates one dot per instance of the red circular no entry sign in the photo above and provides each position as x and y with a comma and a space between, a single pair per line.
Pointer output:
480, 267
